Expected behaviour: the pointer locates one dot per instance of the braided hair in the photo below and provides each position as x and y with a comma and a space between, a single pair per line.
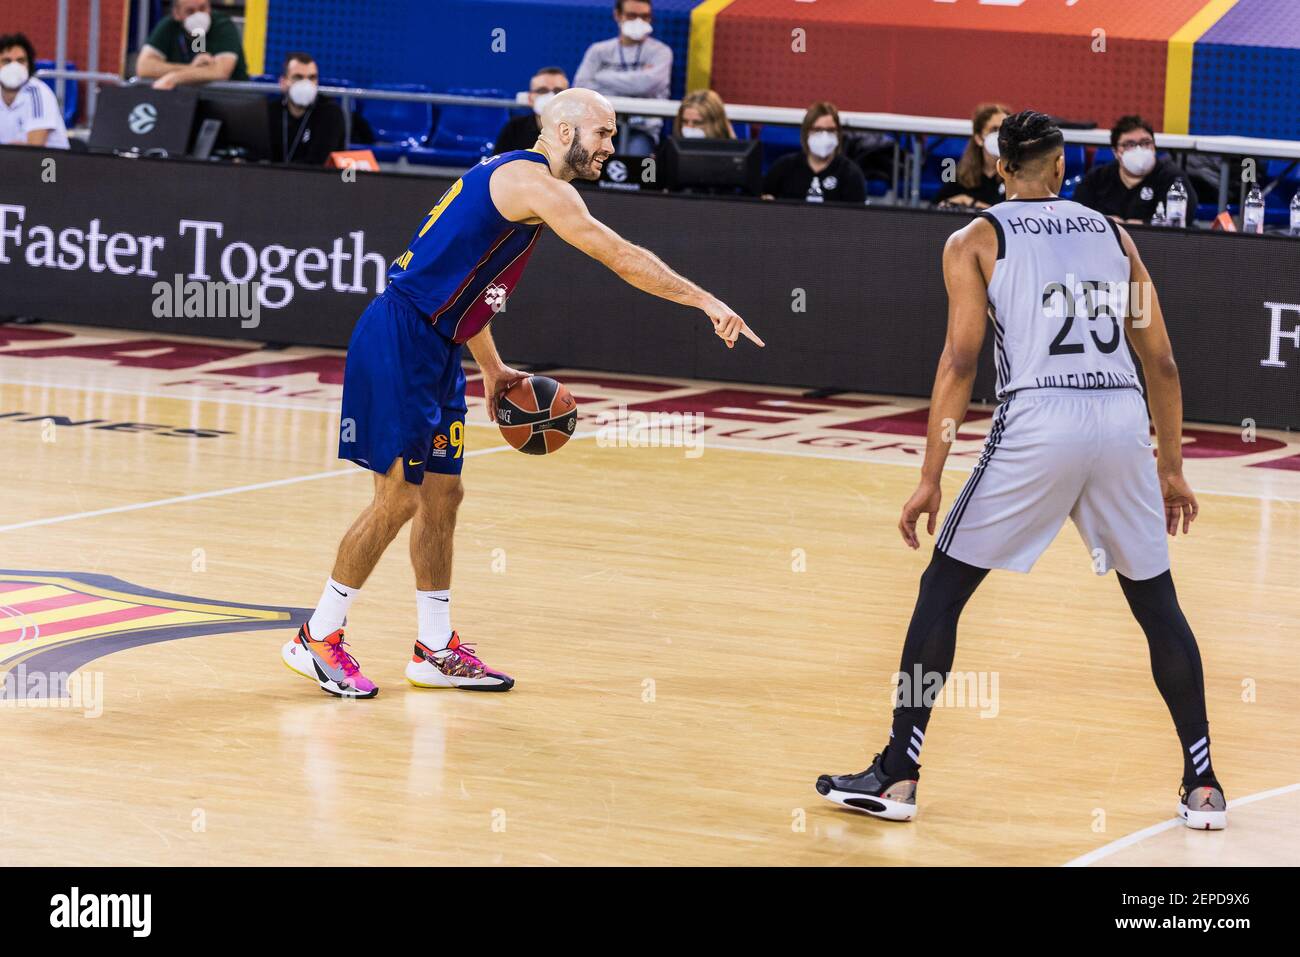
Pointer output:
1027, 136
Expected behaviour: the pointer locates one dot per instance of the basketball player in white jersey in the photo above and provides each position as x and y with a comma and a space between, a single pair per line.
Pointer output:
1061, 286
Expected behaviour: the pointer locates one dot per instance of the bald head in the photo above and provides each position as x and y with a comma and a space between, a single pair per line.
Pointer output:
579, 125
576, 107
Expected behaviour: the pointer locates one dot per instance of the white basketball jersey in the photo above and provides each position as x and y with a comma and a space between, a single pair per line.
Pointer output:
1059, 298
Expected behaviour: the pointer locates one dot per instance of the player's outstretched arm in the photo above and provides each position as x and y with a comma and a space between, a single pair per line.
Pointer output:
1150, 340
967, 314
526, 195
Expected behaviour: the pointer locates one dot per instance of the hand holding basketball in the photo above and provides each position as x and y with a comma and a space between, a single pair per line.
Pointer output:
536, 415
728, 325
925, 500
496, 382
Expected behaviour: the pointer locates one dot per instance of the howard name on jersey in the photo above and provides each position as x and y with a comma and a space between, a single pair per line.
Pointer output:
1059, 298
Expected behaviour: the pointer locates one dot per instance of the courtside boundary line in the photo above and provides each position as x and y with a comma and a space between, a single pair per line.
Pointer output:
215, 493
218, 400
254, 403
1137, 837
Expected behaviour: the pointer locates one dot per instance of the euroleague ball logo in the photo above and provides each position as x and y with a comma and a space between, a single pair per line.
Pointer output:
616, 170
142, 119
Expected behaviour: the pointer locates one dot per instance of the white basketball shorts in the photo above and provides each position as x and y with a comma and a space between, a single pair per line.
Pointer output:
1058, 452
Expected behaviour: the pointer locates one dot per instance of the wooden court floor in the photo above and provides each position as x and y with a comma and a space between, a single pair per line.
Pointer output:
695, 639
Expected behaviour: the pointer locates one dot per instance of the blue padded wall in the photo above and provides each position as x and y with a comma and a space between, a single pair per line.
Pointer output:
449, 43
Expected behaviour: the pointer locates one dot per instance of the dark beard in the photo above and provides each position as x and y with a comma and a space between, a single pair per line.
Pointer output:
579, 160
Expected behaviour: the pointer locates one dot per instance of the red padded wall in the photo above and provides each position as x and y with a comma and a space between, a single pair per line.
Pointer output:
39, 20
940, 59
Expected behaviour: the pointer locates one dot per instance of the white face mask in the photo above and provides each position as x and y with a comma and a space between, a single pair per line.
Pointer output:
991, 145
1139, 162
693, 133
302, 93
636, 30
197, 23
540, 101
13, 75
822, 143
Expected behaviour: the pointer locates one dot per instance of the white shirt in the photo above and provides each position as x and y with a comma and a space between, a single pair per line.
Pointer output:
1059, 298
34, 107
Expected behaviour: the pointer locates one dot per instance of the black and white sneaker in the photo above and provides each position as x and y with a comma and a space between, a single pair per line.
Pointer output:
1203, 808
872, 792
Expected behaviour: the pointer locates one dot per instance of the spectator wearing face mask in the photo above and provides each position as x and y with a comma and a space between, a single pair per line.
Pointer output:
631, 64
29, 110
1129, 189
521, 132
305, 126
193, 45
703, 115
977, 183
820, 173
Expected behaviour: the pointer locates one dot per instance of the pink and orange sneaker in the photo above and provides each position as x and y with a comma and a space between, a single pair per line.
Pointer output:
328, 663
455, 666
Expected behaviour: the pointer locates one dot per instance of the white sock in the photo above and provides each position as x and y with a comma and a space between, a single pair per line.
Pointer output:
434, 611
332, 609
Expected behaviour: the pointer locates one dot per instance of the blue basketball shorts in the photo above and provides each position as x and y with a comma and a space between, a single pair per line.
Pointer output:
403, 393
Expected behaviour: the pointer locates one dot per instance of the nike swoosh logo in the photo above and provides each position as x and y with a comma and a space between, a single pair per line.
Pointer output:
413, 462
443, 600
343, 593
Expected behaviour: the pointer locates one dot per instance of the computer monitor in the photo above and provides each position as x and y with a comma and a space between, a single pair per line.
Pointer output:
716, 164
138, 117
245, 123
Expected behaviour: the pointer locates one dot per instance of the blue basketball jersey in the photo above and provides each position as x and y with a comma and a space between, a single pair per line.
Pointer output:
466, 258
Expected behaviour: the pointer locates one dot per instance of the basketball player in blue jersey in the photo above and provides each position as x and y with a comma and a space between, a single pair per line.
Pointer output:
1055, 280
404, 390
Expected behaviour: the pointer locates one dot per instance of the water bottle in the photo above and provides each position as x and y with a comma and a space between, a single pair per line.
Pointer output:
1252, 215
1176, 205
1158, 217
1295, 214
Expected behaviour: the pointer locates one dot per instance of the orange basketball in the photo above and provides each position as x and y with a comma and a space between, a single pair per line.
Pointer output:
537, 415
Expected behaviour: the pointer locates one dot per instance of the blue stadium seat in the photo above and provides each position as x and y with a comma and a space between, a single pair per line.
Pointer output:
1075, 161
400, 126
463, 134
937, 150
777, 142
71, 91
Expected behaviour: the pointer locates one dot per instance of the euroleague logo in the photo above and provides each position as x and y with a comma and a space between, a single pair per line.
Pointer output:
142, 119
616, 170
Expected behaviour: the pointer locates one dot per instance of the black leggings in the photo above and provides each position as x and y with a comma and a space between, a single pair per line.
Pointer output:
931, 644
